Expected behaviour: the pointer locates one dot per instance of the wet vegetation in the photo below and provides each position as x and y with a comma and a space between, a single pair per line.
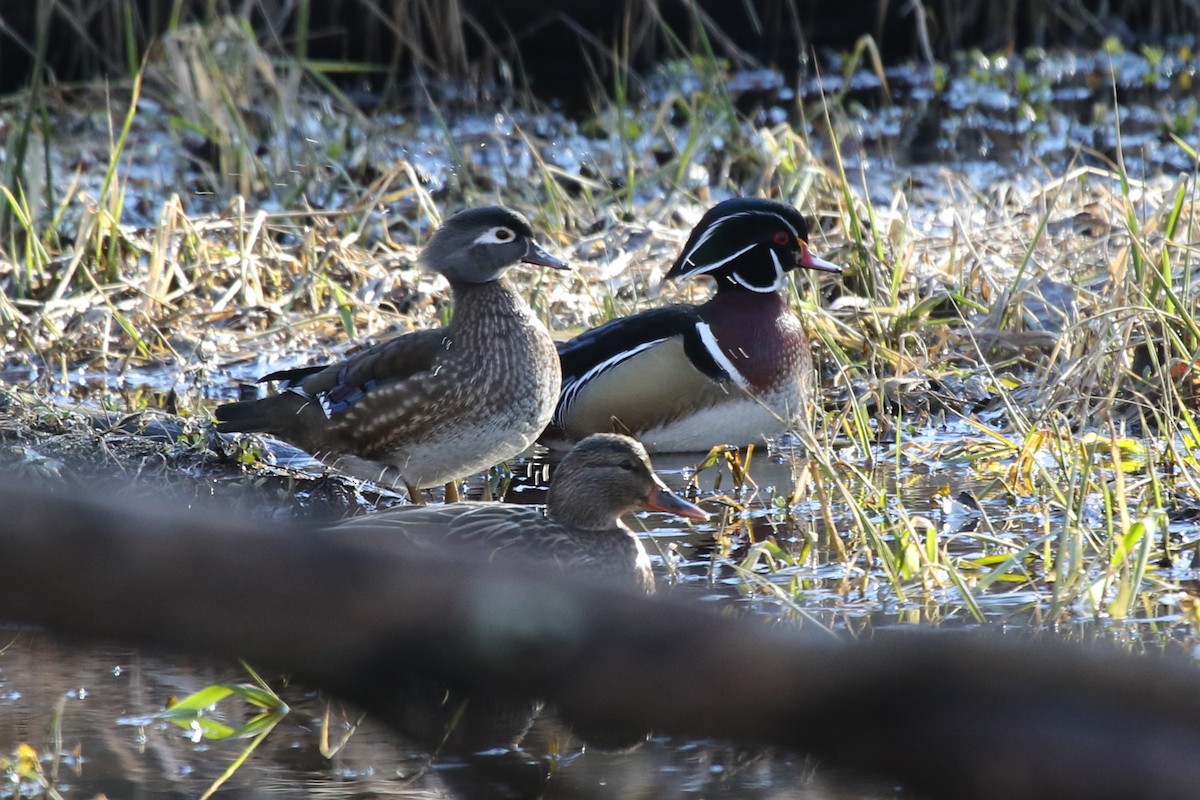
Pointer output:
1009, 362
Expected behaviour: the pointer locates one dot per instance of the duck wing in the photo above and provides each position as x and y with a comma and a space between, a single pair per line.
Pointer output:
489, 526
632, 373
313, 399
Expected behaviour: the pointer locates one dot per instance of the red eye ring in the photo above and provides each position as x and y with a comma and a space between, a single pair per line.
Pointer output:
782, 238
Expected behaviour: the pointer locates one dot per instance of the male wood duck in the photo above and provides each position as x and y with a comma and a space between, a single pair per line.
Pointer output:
736, 369
600, 479
430, 406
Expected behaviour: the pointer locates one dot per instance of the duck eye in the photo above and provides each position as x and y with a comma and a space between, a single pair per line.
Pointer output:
782, 238
503, 235
626, 465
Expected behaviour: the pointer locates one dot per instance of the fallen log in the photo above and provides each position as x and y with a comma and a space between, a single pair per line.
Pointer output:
951, 715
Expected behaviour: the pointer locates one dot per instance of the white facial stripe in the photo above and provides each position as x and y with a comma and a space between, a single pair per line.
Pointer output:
494, 235
778, 270
714, 349
788, 225
776, 285
704, 237
710, 231
718, 264
572, 388
760, 289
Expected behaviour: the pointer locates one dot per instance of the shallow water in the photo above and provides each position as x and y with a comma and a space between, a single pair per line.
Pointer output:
88, 707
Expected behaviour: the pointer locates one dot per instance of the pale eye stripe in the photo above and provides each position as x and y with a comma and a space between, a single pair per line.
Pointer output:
493, 236
789, 226
711, 231
709, 340
704, 237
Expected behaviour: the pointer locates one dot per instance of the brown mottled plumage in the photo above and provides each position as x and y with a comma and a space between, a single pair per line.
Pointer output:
431, 406
601, 478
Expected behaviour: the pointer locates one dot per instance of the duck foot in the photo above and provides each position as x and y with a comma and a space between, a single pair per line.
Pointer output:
414, 494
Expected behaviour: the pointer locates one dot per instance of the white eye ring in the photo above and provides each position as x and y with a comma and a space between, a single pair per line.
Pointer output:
498, 235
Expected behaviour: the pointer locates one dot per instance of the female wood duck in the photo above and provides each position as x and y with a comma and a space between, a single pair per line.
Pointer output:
430, 406
601, 478
734, 370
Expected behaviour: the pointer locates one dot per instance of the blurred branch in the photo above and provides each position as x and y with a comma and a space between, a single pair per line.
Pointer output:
952, 715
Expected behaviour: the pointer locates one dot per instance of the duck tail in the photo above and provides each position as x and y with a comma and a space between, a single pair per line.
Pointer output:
246, 416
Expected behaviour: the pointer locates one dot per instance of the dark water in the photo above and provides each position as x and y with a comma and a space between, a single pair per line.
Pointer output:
106, 742
85, 708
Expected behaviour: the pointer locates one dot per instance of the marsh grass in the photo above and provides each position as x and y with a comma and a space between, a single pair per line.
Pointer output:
1096, 431
25, 771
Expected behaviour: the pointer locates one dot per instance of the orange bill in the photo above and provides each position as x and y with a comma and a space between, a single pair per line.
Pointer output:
663, 499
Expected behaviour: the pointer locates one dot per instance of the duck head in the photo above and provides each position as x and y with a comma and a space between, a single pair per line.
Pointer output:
478, 245
605, 476
749, 243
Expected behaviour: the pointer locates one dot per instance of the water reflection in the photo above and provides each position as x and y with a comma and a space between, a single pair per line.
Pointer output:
86, 710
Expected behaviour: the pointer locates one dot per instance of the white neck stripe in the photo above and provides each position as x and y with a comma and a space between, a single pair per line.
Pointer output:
714, 349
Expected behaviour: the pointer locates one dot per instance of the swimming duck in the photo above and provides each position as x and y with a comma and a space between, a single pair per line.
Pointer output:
603, 477
430, 406
734, 370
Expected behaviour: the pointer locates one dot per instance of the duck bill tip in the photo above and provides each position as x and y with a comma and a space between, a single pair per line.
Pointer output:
810, 261
537, 255
670, 503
